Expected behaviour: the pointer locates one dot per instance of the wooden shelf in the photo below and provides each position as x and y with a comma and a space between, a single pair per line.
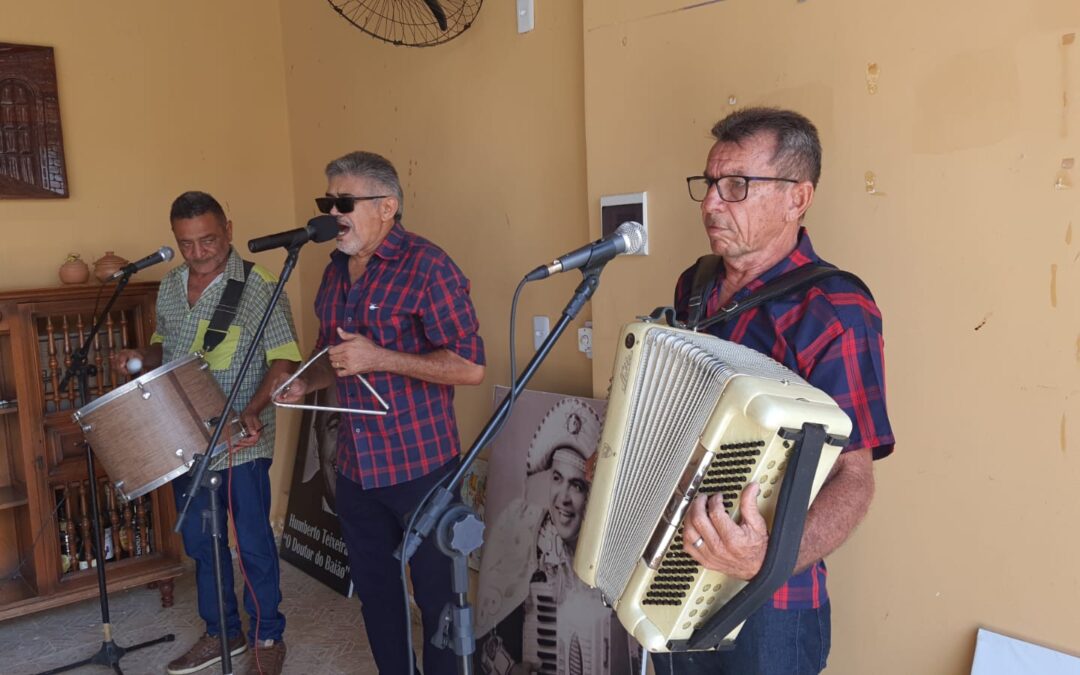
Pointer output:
12, 496
88, 577
41, 450
85, 587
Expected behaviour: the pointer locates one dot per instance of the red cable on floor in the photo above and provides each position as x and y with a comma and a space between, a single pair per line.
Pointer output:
240, 558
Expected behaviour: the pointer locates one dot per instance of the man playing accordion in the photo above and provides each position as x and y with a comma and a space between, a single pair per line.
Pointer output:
759, 180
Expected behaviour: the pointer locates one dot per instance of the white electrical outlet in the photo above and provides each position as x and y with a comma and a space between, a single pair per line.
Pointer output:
584, 339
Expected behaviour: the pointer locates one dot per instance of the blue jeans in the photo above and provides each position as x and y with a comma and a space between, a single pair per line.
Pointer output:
372, 523
255, 540
772, 642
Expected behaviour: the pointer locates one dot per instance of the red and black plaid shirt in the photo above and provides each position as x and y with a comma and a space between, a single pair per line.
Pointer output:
412, 298
831, 335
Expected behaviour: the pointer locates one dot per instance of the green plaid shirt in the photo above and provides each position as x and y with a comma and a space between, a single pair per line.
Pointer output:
180, 330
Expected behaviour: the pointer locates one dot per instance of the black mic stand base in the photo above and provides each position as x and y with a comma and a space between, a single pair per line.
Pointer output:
110, 653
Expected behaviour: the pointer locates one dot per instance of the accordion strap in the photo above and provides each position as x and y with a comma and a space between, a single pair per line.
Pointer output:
786, 284
703, 285
226, 310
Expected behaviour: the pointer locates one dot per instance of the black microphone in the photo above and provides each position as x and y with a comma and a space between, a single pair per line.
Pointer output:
318, 230
628, 238
163, 254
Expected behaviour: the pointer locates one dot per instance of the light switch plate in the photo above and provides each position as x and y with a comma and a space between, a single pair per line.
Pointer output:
525, 15
541, 328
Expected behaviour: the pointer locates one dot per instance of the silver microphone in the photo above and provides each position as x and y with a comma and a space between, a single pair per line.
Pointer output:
628, 238
163, 254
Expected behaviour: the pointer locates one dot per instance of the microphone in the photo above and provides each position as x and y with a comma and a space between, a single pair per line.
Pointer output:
163, 254
318, 230
628, 238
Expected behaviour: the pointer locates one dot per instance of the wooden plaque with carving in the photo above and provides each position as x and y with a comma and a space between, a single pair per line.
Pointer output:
31, 145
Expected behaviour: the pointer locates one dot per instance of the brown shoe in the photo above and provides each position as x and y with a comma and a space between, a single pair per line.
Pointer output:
205, 652
266, 658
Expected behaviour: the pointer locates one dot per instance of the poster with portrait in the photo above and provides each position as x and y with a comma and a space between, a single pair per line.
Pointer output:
312, 538
532, 612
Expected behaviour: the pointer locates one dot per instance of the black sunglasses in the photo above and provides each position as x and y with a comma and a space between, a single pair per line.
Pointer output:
343, 204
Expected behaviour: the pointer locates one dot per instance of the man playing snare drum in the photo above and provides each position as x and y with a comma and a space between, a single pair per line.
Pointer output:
189, 298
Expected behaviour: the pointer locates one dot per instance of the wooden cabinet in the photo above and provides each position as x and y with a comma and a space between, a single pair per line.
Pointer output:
45, 557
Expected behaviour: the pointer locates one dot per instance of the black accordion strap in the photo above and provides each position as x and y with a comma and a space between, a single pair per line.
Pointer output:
226, 310
703, 285
783, 285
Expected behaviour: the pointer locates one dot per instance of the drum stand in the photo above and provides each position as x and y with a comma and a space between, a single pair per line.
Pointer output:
110, 653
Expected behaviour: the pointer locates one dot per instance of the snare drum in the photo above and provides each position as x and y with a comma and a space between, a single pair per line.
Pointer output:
148, 431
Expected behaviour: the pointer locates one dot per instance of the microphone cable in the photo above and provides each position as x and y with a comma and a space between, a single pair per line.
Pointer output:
240, 559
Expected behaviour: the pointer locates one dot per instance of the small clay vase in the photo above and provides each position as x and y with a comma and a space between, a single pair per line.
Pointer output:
106, 265
74, 270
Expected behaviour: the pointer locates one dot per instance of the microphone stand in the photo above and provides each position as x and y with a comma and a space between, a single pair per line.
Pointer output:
458, 529
201, 477
80, 368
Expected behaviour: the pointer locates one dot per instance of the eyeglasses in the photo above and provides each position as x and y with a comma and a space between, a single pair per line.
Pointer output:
343, 204
730, 188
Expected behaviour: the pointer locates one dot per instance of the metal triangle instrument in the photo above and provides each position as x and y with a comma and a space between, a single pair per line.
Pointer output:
303, 406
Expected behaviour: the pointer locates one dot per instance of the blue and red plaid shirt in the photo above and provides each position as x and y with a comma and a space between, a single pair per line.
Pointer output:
411, 298
831, 336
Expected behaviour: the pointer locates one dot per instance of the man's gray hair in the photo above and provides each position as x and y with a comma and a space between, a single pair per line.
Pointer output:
373, 167
798, 147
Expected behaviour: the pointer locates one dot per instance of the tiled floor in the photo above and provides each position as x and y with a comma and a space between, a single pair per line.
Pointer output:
324, 634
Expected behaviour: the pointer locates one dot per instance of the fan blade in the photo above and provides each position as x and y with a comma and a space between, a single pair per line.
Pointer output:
437, 12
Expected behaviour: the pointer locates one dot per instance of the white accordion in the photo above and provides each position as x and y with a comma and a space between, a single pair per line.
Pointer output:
692, 414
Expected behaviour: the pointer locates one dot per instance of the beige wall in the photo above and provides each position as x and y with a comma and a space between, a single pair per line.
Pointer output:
155, 99
965, 134
505, 143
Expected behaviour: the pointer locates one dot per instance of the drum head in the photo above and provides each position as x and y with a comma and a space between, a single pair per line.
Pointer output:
131, 386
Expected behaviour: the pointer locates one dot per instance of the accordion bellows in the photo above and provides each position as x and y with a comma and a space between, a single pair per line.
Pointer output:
688, 413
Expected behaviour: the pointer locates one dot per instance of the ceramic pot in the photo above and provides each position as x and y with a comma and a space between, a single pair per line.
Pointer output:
106, 265
74, 270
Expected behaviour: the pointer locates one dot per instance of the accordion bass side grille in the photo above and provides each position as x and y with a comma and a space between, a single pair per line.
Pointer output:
730, 469
727, 475
673, 579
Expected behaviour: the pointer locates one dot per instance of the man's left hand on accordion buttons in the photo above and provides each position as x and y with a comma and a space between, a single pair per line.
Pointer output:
719, 543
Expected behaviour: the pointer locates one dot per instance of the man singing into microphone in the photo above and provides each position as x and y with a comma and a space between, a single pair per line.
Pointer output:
213, 304
397, 310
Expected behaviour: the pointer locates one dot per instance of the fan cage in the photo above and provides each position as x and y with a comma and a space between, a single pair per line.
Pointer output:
409, 23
